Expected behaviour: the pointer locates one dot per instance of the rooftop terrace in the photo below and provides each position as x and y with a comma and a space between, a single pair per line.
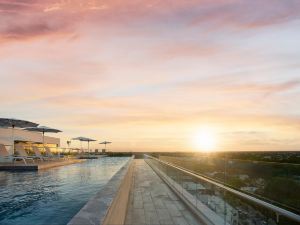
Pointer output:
151, 201
151, 191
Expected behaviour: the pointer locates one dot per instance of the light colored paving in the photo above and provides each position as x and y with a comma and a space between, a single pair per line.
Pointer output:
151, 202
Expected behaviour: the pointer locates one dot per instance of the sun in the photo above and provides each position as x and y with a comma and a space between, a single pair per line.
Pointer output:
205, 140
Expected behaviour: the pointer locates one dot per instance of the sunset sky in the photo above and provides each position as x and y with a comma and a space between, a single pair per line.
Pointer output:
152, 75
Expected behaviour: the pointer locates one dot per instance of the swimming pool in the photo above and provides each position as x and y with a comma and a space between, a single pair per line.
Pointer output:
53, 196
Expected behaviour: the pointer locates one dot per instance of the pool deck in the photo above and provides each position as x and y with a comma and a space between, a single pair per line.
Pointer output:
152, 202
135, 195
40, 165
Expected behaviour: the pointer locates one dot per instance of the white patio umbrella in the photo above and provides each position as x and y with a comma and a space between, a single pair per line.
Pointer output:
84, 139
105, 143
11, 122
43, 129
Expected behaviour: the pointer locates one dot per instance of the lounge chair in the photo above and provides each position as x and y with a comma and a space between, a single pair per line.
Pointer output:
62, 150
5, 155
21, 150
51, 155
39, 154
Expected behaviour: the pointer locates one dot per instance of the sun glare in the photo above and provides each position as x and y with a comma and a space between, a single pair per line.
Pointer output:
205, 140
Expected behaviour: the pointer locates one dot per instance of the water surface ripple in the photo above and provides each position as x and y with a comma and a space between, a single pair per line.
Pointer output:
53, 196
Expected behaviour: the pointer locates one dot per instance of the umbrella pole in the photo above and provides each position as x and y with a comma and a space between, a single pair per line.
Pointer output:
89, 147
13, 139
44, 140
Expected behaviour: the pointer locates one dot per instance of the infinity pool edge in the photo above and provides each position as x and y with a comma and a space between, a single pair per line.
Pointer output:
97, 208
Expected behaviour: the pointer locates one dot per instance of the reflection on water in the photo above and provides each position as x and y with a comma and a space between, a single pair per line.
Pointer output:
52, 196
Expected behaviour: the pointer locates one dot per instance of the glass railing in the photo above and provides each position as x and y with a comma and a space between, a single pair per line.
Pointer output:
265, 180
217, 201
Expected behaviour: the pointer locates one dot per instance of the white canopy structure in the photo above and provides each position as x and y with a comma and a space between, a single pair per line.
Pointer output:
105, 143
84, 139
11, 122
43, 129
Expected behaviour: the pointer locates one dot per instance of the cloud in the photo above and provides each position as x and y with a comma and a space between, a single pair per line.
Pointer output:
49, 78
177, 50
25, 31
18, 6
230, 84
88, 101
26, 20
247, 14
21, 20
267, 89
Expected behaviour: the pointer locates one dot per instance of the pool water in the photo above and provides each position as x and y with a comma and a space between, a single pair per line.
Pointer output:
53, 196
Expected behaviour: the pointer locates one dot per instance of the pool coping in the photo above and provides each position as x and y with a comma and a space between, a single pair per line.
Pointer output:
38, 166
95, 210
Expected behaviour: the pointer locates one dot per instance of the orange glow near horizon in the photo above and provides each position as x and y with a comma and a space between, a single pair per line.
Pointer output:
166, 75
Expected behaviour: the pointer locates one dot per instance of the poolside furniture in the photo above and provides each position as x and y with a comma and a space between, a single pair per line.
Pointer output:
21, 150
51, 155
5, 155
39, 154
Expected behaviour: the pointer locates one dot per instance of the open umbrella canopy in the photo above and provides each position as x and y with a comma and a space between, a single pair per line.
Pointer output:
105, 143
88, 140
11, 122
43, 129
83, 139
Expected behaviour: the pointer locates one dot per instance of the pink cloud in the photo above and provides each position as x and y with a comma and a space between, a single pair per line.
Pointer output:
232, 84
44, 80
27, 20
21, 20
247, 14
179, 49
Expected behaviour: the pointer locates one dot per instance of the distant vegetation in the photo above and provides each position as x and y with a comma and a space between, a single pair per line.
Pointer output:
278, 157
276, 182
119, 154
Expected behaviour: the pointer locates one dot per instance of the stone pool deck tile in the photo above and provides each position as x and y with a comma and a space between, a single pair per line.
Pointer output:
152, 202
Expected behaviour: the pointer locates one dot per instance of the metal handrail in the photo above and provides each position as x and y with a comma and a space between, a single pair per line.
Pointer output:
280, 205
276, 209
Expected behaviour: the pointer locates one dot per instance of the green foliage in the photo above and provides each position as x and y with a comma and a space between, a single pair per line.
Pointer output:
235, 182
284, 190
